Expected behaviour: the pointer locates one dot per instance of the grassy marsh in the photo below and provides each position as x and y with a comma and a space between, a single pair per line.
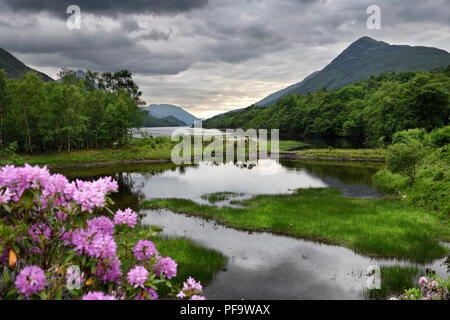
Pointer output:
379, 228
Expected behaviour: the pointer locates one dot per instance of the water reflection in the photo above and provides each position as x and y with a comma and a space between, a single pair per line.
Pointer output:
138, 183
267, 266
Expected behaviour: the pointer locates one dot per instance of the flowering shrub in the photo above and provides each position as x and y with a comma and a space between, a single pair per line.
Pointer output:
59, 240
432, 288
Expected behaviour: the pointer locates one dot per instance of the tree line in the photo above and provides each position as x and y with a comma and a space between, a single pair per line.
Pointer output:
369, 111
76, 113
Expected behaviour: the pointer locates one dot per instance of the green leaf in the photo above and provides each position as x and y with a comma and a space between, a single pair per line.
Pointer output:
11, 292
70, 257
6, 276
27, 199
59, 294
83, 260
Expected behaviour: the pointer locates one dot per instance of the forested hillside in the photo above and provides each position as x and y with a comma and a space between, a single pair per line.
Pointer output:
371, 110
38, 116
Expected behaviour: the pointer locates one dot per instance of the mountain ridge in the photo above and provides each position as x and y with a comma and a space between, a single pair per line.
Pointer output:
362, 59
161, 111
14, 68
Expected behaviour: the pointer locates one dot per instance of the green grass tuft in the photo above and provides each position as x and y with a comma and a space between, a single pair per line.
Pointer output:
220, 196
394, 281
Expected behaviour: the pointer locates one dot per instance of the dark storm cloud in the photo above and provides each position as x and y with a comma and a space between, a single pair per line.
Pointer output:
107, 7
129, 24
225, 53
94, 48
155, 35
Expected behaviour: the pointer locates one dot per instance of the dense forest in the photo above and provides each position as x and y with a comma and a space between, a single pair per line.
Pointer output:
38, 116
370, 111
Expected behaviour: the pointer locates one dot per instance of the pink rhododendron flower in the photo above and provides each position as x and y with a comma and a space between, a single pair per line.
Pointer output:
5, 196
191, 288
167, 266
98, 296
37, 232
197, 298
128, 217
144, 250
138, 276
149, 292
109, 271
101, 225
95, 245
30, 280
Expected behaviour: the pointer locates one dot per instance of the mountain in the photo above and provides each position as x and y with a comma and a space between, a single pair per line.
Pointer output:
80, 74
15, 68
161, 111
152, 122
364, 58
274, 97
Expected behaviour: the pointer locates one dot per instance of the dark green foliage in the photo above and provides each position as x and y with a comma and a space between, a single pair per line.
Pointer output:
432, 175
50, 116
440, 137
407, 152
370, 111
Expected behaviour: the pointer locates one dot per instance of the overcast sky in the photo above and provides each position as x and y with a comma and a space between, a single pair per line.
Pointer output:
210, 56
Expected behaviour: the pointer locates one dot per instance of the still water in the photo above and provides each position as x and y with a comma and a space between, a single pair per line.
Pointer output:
260, 265
312, 142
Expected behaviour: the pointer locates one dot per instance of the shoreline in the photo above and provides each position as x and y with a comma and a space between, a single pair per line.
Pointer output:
282, 156
294, 156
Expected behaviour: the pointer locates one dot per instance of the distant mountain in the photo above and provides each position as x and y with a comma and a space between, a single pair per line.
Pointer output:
80, 74
161, 111
364, 58
152, 122
15, 68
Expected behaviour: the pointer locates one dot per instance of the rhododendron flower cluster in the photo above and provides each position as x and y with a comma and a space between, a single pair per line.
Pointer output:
433, 288
97, 296
48, 225
167, 266
15, 180
145, 250
101, 225
127, 217
192, 290
138, 276
30, 280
